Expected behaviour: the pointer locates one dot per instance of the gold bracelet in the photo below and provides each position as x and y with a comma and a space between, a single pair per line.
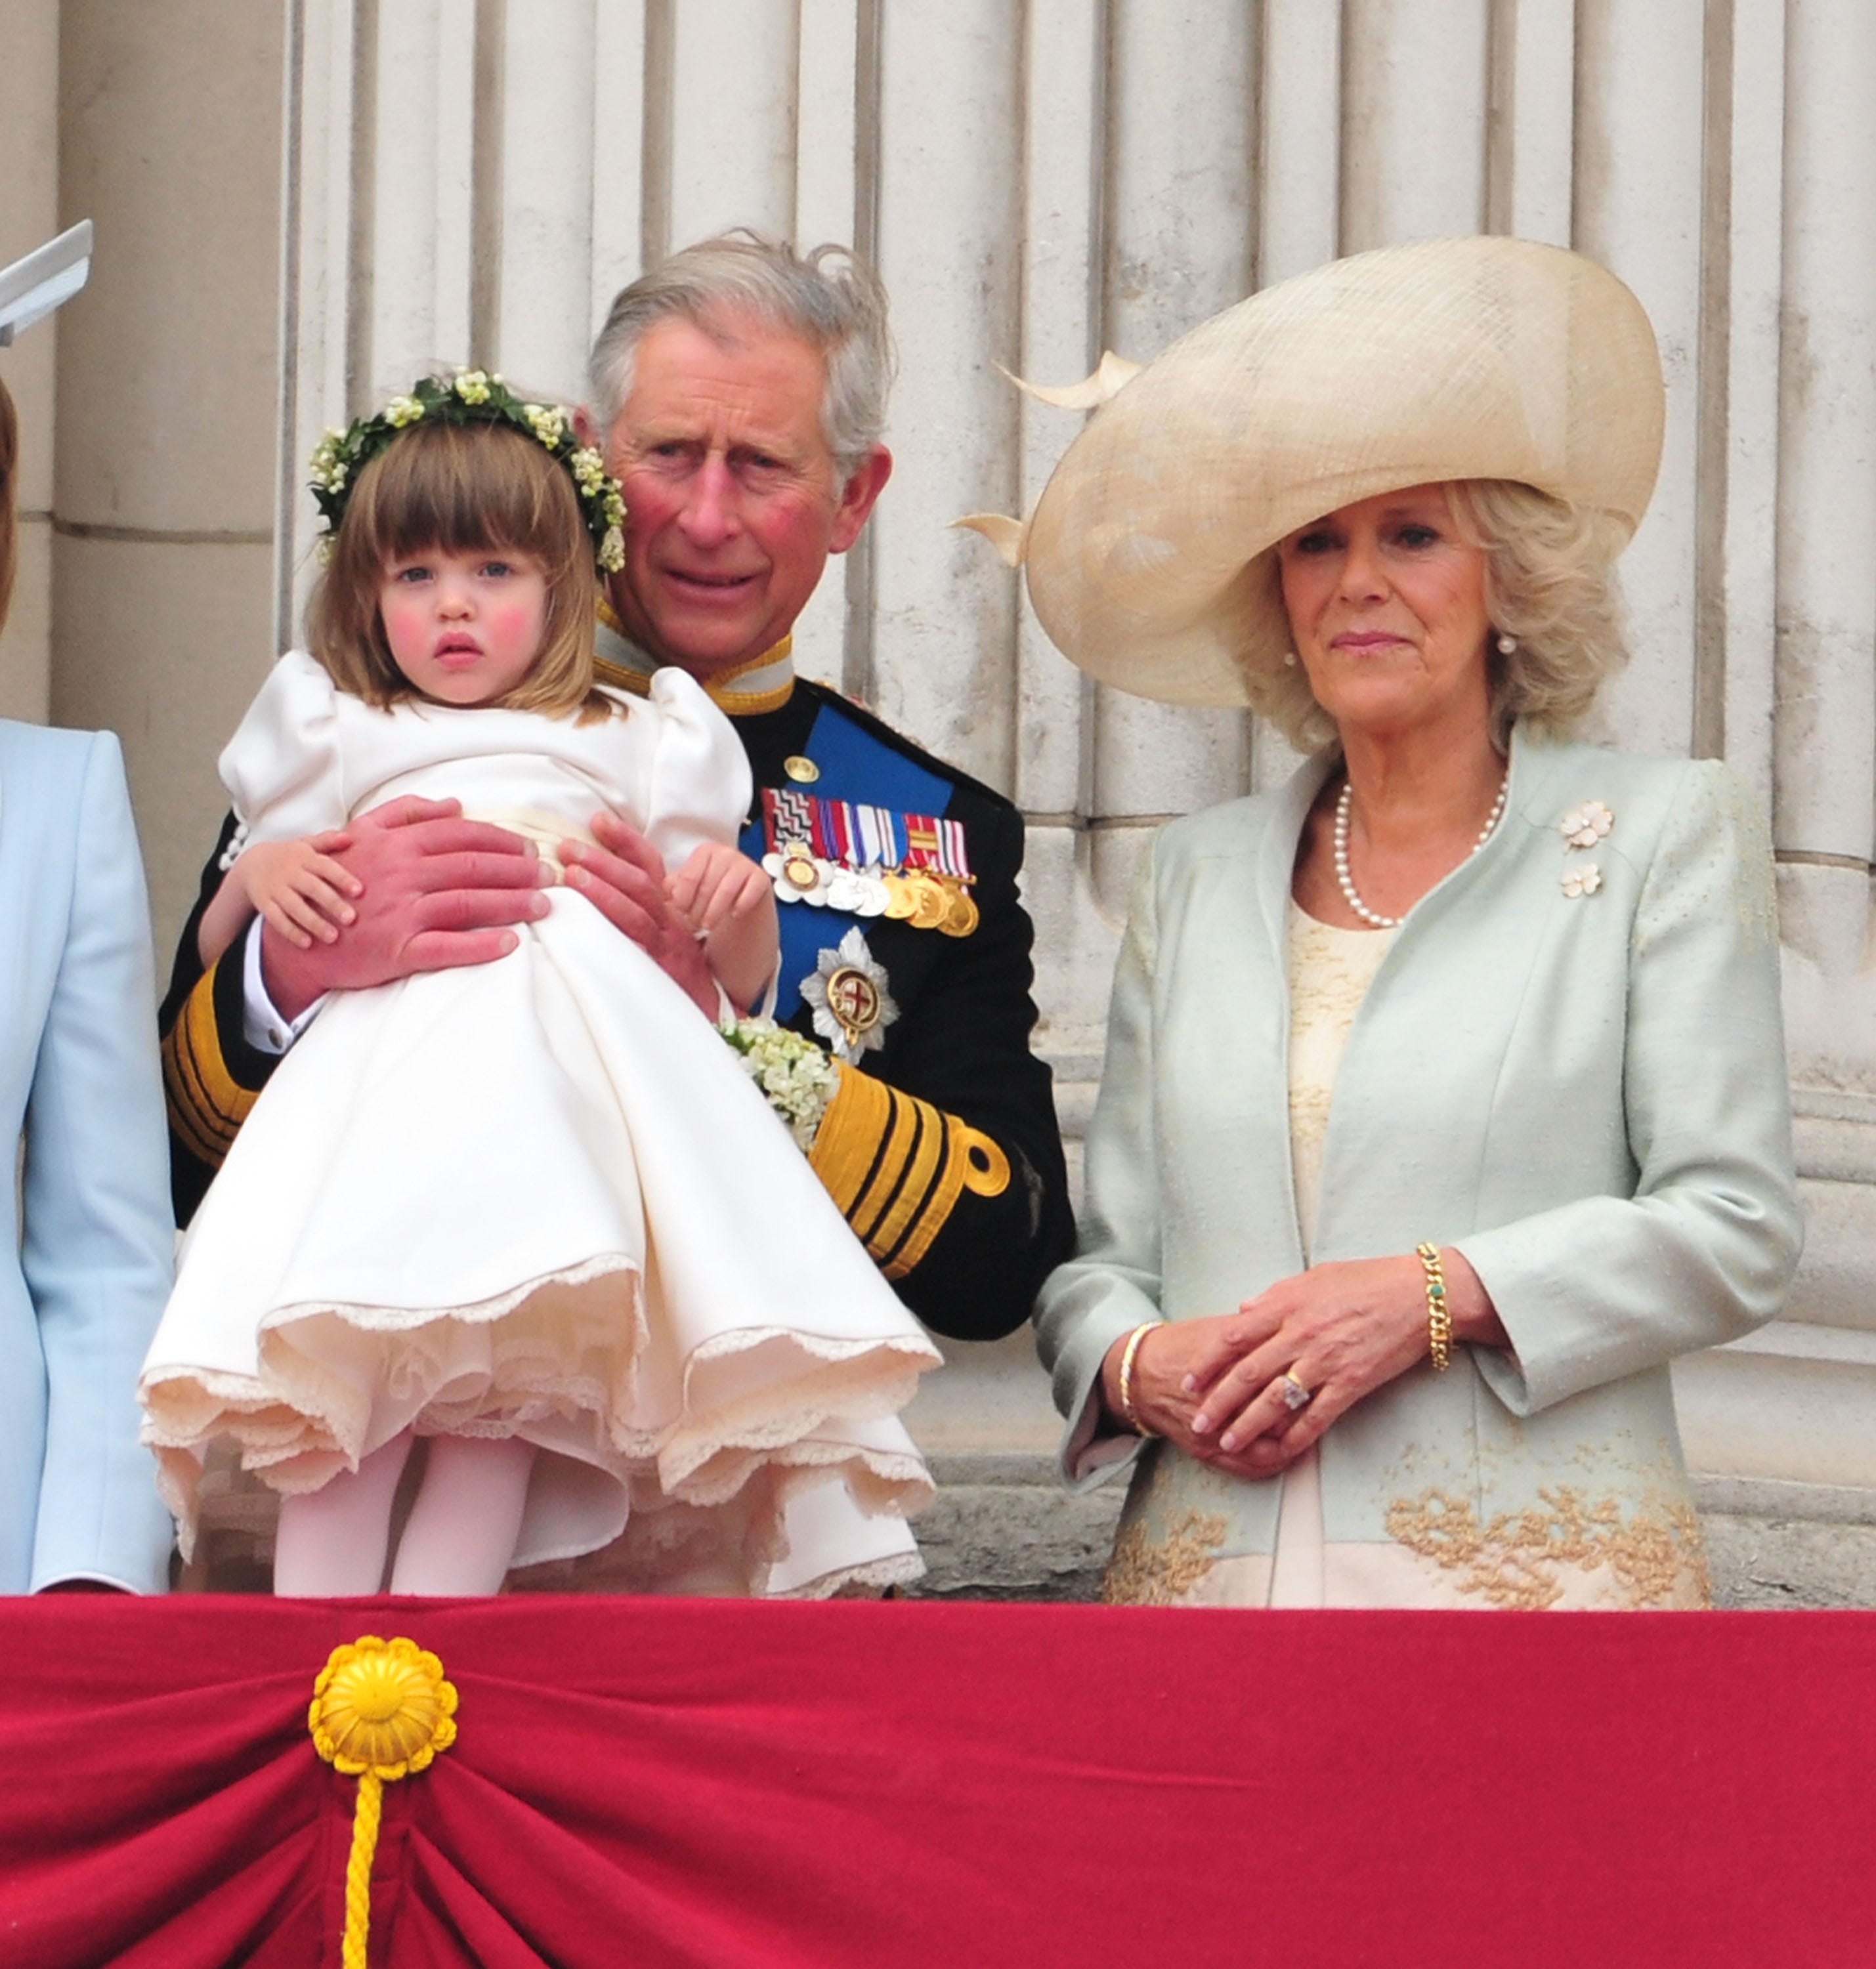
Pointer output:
1128, 1353
1438, 1314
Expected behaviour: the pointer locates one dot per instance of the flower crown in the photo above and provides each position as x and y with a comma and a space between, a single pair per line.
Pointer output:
472, 396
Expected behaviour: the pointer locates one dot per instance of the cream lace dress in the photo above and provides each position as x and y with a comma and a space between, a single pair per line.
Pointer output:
1330, 971
539, 1197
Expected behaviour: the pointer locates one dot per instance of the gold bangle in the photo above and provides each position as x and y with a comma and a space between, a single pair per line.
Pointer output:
1438, 1314
1128, 1353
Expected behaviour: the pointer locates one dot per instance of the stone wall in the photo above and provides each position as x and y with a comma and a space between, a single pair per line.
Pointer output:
149, 404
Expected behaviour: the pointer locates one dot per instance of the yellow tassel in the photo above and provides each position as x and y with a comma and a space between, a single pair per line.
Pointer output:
381, 1711
364, 1823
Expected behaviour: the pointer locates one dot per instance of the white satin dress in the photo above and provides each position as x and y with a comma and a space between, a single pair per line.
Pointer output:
539, 1197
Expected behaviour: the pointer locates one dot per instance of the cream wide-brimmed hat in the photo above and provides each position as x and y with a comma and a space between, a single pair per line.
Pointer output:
1446, 359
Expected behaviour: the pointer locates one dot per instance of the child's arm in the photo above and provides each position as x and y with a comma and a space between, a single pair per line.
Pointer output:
730, 904
295, 884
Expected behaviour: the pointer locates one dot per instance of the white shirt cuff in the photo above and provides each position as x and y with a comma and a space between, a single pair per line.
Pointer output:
262, 1024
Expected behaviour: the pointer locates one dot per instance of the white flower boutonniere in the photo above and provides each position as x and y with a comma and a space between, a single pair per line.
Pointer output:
797, 1079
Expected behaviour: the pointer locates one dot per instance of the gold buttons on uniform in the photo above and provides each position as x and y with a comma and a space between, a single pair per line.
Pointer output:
804, 772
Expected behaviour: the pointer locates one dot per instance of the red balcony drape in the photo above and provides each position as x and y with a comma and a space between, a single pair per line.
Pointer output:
660, 1782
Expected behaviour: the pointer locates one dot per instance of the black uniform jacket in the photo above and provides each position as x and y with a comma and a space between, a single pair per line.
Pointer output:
941, 1146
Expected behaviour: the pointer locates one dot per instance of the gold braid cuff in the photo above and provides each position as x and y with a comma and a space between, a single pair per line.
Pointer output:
896, 1166
207, 1104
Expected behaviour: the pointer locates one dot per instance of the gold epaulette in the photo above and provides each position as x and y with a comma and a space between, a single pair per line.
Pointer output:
616, 677
207, 1105
896, 1166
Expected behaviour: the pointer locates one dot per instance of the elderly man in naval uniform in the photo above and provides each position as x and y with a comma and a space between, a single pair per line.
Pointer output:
738, 392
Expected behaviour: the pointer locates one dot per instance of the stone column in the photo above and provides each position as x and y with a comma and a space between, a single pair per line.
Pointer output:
169, 139
29, 216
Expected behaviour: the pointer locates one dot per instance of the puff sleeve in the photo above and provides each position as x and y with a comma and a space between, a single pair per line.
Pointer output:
281, 768
698, 783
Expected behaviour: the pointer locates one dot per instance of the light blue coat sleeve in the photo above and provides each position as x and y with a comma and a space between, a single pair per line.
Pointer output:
1112, 1284
1605, 1286
98, 1237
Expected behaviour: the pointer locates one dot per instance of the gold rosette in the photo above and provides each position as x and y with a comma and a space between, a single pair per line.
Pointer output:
381, 1711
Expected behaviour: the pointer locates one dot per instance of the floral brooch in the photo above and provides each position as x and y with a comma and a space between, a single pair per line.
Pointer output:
1583, 826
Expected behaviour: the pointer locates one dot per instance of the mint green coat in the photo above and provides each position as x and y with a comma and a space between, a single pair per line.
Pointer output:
1587, 1094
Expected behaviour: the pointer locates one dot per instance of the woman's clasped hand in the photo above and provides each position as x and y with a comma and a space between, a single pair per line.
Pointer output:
1249, 1392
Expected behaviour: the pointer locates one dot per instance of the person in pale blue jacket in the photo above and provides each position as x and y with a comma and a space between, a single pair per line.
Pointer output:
1445, 1099
83, 1280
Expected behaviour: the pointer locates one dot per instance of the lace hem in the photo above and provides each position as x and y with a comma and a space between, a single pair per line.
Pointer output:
557, 1361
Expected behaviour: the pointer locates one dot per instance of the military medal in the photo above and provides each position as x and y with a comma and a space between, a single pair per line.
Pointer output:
797, 876
961, 915
933, 903
847, 992
798, 868
847, 891
866, 860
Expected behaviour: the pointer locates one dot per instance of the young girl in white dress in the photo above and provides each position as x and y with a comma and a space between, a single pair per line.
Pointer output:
531, 1214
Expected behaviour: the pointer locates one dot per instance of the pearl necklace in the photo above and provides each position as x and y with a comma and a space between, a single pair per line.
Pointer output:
1345, 881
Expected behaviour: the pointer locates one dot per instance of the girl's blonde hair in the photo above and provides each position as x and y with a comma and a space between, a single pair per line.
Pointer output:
461, 489
1550, 583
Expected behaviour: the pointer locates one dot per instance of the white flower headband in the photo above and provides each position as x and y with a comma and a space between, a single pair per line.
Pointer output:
472, 396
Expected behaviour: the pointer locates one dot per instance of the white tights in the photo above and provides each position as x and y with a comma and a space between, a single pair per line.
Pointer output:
459, 1537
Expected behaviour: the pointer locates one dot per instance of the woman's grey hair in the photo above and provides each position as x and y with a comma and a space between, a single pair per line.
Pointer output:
830, 298
1550, 584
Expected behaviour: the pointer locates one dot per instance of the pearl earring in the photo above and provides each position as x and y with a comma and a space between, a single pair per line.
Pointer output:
1507, 646
1290, 659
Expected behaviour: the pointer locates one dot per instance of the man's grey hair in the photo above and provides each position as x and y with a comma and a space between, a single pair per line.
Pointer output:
829, 298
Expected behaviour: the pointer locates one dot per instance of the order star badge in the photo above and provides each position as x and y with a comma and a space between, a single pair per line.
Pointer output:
848, 991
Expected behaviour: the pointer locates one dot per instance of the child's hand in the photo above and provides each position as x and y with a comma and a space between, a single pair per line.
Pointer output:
716, 884
298, 887
730, 904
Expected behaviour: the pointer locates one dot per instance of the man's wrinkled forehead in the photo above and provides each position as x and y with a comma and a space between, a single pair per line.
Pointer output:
734, 382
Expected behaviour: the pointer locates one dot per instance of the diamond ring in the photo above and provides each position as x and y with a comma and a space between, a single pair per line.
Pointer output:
1295, 1395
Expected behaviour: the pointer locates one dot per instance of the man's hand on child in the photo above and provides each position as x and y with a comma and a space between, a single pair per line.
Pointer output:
299, 889
437, 891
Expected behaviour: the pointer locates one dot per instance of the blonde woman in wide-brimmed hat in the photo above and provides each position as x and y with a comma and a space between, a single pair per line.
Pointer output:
1444, 1100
